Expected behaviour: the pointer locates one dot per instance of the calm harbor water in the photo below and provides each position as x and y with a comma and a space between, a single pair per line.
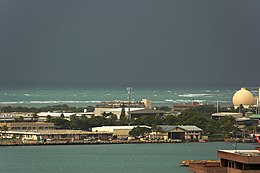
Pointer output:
118, 158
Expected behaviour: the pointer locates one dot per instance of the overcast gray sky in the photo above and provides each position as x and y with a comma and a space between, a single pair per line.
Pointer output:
135, 42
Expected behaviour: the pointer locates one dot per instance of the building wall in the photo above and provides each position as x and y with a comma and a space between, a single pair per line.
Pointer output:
239, 158
28, 126
188, 134
147, 103
55, 135
100, 111
122, 133
158, 135
201, 168
232, 170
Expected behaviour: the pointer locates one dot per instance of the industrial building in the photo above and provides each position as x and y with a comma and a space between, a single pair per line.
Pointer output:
118, 131
13, 116
28, 126
55, 135
179, 107
116, 111
231, 161
178, 133
220, 115
134, 112
144, 103
42, 116
116, 107
149, 112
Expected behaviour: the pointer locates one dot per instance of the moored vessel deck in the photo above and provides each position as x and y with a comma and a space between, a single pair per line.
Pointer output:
188, 162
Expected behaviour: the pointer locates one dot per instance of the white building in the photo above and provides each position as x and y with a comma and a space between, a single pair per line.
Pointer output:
119, 131
219, 115
58, 135
116, 111
43, 115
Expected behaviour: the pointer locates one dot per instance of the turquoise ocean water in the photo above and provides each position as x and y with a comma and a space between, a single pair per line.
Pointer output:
90, 96
118, 158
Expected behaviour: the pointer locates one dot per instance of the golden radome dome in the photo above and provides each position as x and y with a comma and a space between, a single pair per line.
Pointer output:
243, 97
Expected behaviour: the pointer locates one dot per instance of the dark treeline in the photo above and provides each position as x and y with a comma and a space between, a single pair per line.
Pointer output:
63, 107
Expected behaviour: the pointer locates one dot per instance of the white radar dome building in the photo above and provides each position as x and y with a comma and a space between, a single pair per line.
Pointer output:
243, 97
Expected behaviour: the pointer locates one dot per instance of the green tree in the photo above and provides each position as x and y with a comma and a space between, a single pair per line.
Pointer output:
19, 119
139, 131
75, 122
4, 128
112, 120
123, 114
48, 118
90, 109
156, 128
96, 121
60, 123
124, 121
84, 123
164, 108
35, 117
170, 120
145, 120
62, 115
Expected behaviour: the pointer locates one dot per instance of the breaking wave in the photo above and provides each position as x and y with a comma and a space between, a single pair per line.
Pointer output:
47, 102
195, 95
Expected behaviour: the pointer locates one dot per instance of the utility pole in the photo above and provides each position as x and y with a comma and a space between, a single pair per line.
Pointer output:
129, 93
257, 106
217, 107
258, 99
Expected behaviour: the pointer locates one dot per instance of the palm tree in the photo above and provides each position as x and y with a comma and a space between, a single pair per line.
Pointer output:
122, 115
4, 128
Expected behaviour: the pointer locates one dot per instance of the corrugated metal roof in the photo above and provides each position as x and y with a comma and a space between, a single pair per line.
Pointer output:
39, 132
146, 111
190, 128
120, 109
112, 128
55, 114
166, 128
257, 116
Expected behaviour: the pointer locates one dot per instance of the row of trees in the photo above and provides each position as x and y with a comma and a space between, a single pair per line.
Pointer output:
63, 107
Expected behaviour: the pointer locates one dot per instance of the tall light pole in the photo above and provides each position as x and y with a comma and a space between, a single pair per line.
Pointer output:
217, 107
257, 101
129, 93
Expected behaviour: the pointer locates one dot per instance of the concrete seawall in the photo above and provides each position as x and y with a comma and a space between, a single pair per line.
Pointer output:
34, 143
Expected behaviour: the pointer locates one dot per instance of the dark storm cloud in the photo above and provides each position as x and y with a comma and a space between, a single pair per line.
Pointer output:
122, 43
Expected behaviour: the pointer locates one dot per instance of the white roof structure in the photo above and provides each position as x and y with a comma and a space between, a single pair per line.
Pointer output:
224, 114
126, 109
55, 114
190, 128
243, 152
167, 128
112, 128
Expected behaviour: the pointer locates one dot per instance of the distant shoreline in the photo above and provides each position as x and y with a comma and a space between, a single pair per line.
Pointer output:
41, 105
